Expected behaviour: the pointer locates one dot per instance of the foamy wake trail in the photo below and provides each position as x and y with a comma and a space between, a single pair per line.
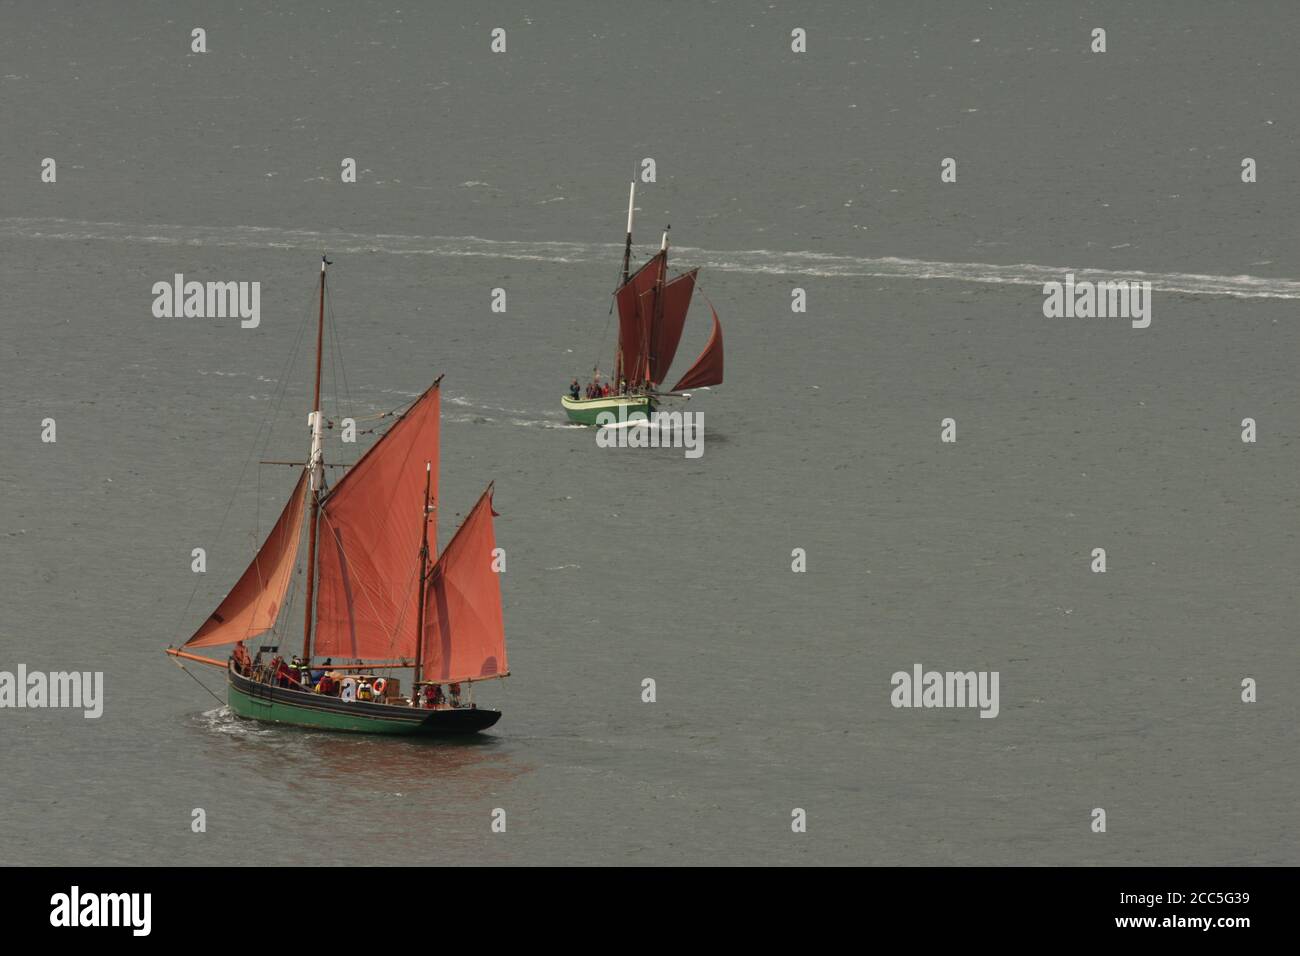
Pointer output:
754, 261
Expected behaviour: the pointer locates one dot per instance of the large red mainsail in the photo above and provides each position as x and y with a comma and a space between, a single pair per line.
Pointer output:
254, 602
707, 369
651, 317
464, 635
370, 534
636, 311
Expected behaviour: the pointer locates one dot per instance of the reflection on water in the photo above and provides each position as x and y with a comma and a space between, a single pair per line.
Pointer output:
474, 762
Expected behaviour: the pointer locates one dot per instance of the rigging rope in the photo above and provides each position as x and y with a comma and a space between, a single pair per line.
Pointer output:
340, 375
604, 336
199, 682
267, 423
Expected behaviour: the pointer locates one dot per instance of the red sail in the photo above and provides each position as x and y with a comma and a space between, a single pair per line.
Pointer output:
254, 602
465, 636
707, 369
370, 536
636, 310
667, 332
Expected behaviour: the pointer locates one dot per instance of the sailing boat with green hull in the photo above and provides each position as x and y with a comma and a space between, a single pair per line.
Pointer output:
376, 598
651, 316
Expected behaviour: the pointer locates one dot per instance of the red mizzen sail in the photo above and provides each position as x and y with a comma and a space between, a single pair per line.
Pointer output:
465, 637
667, 332
254, 602
707, 369
369, 561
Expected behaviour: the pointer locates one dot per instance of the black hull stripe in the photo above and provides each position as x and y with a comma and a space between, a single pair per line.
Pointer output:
270, 694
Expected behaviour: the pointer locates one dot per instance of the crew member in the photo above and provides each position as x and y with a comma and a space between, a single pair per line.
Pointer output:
282, 675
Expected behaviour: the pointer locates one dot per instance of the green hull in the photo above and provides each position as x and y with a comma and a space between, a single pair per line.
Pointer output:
278, 705
583, 411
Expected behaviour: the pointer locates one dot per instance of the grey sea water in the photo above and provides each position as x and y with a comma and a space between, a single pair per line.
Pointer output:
776, 170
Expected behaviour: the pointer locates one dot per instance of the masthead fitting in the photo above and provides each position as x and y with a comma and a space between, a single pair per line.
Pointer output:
663, 244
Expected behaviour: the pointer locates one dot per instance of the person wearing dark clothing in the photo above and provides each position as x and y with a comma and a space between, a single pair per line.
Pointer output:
575, 390
283, 675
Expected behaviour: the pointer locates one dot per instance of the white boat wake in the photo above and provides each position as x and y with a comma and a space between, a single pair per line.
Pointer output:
752, 261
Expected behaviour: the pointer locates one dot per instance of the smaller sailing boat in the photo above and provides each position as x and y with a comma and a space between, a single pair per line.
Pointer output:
651, 316
376, 599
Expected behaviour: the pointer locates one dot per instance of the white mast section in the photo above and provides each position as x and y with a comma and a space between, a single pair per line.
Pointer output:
314, 419
314, 463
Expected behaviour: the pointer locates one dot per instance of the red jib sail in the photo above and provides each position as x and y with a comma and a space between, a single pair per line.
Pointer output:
465, 637
707, 369
254, 602
370, 536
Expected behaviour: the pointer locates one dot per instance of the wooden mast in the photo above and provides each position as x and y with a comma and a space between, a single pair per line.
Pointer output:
424, 574
657, 320
315, 464
627, 261
627, 250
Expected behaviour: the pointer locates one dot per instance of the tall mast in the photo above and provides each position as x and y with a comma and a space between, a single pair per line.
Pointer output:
658, 319
627, 250
424, 573
316, 464
627, 261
